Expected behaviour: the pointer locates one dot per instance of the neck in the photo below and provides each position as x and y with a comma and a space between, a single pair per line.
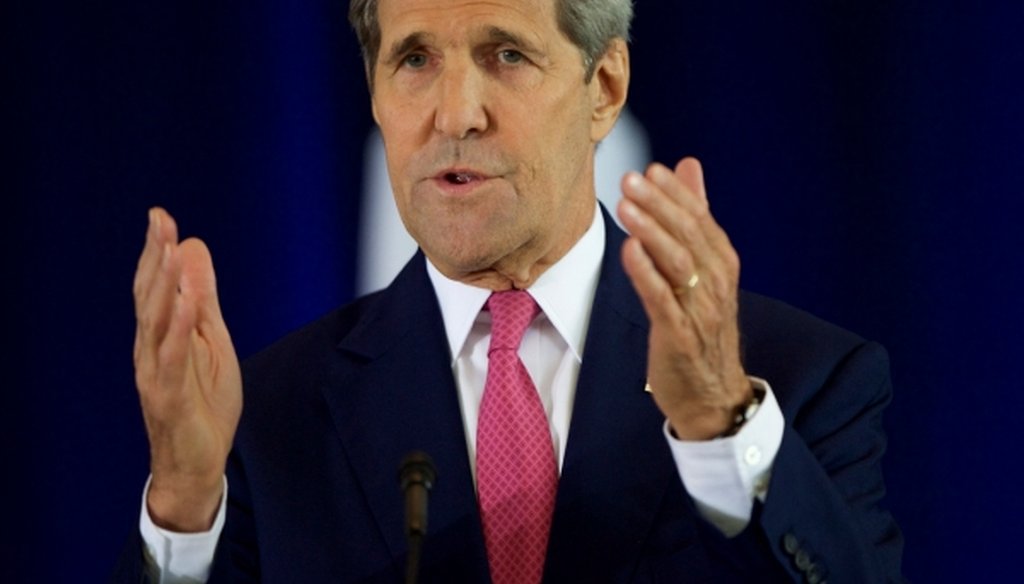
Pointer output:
521, 268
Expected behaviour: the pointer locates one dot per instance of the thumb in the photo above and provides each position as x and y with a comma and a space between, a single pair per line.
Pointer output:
198, 280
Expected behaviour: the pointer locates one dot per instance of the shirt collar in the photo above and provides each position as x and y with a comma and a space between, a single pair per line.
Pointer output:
565, 292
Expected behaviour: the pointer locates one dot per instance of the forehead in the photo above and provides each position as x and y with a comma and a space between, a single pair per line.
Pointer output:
465, 18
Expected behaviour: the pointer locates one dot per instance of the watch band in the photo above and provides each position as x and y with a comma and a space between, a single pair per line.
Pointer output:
745, 412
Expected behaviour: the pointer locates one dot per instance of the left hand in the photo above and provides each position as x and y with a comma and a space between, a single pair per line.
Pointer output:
686, 273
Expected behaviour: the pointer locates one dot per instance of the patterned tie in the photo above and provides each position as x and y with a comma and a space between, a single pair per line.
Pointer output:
515, 459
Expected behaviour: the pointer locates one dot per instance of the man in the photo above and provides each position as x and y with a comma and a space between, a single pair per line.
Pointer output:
762, 469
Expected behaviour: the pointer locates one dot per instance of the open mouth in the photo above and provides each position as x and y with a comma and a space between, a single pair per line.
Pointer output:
459, 178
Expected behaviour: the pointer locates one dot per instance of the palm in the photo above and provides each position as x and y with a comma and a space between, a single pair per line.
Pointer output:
187, 374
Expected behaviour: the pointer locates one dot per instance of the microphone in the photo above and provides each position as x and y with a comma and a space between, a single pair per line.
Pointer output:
417, 476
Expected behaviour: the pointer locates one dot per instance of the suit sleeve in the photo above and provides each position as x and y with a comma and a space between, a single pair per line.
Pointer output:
131, 566
237, 558
822, 515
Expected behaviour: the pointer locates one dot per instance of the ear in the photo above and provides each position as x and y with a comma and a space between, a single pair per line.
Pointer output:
373, 95
608, 88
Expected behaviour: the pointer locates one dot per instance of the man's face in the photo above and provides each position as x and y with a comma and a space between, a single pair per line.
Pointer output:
489, 129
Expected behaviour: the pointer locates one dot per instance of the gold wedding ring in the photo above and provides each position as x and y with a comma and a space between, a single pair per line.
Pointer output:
690, 285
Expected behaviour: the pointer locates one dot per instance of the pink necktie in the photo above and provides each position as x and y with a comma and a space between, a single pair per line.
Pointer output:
515, 459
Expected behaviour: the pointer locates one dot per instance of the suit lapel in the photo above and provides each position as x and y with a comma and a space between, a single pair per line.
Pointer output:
394, 392
617, 468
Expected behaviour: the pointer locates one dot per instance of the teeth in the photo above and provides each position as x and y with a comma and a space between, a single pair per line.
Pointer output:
459, 178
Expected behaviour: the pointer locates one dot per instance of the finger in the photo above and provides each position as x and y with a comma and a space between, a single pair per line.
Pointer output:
663, 196
685, 215
673, 259
199, 284
156, 292
174, 350
700, 307
690, 173
155, 310
162, 230
687, 188
695, 223
670, 232
694, 317
685, 192
654, 290
149, 259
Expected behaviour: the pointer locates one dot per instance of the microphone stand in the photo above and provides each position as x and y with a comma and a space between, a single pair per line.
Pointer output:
417, 476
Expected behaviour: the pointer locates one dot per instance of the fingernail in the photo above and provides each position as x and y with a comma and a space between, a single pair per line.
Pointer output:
631, 211
635, 181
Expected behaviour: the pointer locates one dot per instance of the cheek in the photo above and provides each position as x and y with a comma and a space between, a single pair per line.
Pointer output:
400, 151
551, 138
567, 147
399, 125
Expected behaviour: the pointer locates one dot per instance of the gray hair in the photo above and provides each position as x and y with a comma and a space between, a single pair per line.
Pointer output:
591, 25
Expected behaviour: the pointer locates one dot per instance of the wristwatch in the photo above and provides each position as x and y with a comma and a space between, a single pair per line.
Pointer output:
745, 412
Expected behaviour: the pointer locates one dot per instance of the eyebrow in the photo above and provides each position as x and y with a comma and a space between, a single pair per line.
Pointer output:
496, 35
499, 35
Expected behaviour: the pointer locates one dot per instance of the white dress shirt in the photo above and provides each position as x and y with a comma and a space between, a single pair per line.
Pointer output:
723, 476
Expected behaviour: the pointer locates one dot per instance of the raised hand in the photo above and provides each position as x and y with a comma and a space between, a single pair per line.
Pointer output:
187, 375
686, 273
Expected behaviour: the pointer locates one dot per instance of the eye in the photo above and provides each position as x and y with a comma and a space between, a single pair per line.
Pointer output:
415, 61
510, 57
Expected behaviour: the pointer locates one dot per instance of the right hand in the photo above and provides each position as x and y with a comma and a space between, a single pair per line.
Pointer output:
188, 377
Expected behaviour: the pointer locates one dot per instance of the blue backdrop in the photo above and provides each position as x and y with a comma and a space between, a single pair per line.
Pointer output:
865, 156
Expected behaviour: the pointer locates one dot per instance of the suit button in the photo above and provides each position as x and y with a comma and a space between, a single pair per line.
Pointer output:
813, 574
790, 543
803, 560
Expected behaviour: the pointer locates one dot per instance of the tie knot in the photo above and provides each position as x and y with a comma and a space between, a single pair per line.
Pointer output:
511, 312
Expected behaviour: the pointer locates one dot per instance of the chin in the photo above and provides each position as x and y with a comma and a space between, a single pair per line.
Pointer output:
457, 260
470, 262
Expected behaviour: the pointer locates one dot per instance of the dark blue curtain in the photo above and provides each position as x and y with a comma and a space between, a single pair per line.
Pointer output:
866, 158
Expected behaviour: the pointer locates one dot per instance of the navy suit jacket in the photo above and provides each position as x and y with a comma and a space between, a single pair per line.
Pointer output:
331, 410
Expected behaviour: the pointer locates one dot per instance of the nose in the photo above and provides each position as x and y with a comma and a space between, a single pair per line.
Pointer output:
461, 111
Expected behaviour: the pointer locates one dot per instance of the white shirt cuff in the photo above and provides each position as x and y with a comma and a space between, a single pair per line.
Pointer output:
180, 558
724, 475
